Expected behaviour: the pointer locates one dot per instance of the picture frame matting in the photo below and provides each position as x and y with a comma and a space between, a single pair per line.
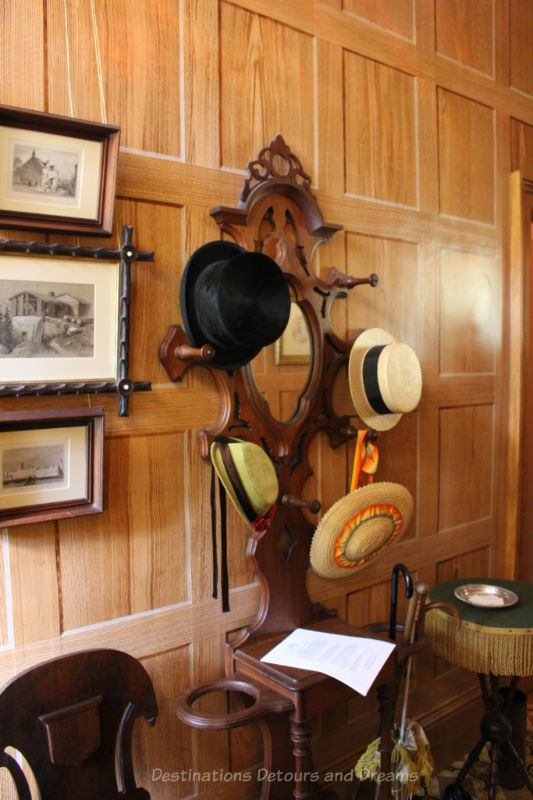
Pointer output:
51, 464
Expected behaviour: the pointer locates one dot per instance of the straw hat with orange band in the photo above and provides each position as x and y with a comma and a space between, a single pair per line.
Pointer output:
361, 525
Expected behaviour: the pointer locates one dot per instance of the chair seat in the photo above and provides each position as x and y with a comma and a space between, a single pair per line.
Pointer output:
290, 680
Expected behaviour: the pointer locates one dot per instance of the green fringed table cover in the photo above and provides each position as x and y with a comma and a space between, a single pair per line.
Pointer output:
490, 639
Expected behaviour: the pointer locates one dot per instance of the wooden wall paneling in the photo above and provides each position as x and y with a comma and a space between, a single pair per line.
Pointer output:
502, 42
466, 157
394, 303
465, 467
6, 612
515, 356
333, 254
428, 412
211, 748
201, 90
155, 287
158, 558
522, 148
240, 573
73, 87
165, 409
262, 62
404, 439
332, 473
327, 172
503, 494
521, 38
94, 551
148, 177
35, 594
165, 748
468, 565
465, 32
380, 131
146, 101
142, 635
372, 604
425, 25
246, 747
22, 63
198, 517
428, 148
398, 18
428, 471
469, 323
300, 16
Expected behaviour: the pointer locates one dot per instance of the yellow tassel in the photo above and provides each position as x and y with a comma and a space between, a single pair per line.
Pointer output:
369, 763
411, 760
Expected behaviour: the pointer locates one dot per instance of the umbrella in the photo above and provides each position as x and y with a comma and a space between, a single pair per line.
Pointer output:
411, 760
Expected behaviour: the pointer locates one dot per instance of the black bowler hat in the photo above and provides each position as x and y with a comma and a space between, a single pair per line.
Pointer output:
235, 300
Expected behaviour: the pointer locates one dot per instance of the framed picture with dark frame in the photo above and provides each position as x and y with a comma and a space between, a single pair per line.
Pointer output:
294, 344
65, 317
57, 173
51, 464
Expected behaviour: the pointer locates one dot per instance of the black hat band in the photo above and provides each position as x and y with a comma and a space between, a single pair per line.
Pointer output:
233, 475
371, 382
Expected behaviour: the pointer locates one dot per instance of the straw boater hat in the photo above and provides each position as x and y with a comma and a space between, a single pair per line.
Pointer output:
359, 527
235, 300
249, 478
385, 378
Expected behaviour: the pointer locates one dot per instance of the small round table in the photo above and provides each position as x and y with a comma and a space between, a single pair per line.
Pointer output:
496, 643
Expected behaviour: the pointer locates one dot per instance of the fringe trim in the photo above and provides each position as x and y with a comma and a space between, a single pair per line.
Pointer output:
498, 650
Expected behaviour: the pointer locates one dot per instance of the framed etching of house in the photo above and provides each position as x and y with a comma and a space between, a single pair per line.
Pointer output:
58, 320
56, 173
51, 464
65, 318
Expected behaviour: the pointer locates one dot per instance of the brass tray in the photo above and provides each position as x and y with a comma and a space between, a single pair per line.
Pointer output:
486, 595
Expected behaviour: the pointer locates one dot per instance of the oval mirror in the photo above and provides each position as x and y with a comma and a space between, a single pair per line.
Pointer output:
281, 370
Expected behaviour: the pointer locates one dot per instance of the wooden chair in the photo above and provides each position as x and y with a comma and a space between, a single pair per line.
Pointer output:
72, 719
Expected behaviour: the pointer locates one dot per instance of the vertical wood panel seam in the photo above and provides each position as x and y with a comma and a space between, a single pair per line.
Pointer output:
219, 88
45, 56
67, 59
316, 155
416, 111
494, 40
344, 159
181, 45
187, 514
98, 64
61, 616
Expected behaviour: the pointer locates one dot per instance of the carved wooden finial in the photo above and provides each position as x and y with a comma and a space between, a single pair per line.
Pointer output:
274, 161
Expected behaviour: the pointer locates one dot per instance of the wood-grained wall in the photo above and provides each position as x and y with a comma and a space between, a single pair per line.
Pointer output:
409, 115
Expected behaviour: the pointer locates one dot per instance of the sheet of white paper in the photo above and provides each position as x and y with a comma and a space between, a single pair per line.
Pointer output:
354, 660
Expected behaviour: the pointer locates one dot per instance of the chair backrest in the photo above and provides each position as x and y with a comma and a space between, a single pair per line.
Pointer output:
72, 719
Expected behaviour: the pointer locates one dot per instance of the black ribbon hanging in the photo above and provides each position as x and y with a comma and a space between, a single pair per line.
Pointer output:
224, 581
